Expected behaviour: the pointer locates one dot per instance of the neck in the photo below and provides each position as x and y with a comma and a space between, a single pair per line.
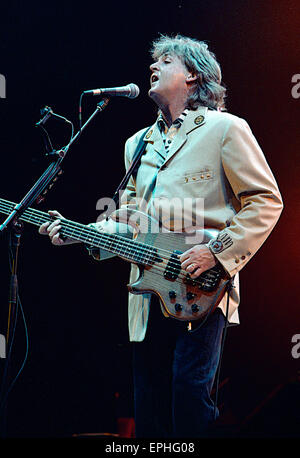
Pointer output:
170, 114
171, 110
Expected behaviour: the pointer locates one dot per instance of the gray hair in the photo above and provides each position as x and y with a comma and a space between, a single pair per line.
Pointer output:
201, 62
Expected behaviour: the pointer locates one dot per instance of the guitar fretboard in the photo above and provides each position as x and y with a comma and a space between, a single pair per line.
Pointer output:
114, 243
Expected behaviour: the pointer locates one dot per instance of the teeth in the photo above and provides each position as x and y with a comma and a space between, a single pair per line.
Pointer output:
154, 78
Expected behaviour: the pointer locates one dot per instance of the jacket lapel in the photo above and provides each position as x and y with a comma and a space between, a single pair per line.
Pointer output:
193, 120
154, 137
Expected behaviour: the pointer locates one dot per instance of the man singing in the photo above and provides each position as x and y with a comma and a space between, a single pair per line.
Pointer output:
194, 150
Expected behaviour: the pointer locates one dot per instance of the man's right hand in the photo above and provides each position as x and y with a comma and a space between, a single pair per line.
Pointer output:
52, 229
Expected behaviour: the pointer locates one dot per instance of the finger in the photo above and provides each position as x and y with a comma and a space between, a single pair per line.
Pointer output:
56, 240
191, 267
53, 225
55, 213
186, 263
185, 255
43, 228
54, 231
197, 272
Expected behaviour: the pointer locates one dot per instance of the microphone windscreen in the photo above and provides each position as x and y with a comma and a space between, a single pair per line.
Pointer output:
134, 91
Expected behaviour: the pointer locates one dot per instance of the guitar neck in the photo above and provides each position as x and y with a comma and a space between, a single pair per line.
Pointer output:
114, 243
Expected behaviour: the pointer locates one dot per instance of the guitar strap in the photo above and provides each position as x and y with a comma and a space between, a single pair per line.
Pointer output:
132, 170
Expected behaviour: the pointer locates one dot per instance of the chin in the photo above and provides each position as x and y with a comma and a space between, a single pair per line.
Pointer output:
154, 95
151, 92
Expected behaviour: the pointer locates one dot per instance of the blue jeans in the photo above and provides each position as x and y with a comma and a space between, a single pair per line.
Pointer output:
174, 371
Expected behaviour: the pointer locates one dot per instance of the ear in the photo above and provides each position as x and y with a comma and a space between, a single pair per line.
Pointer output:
191, 77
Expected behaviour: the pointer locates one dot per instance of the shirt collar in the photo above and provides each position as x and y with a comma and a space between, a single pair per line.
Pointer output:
177, 122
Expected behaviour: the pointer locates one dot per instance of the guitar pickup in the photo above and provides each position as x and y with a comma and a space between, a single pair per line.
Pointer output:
173, 267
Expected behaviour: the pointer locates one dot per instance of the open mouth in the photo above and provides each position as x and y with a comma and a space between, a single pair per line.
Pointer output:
154, 78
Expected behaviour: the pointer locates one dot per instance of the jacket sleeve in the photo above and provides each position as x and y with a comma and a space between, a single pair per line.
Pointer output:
254, 186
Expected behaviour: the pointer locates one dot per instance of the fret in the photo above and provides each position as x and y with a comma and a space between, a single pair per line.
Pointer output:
29, 218
117, 249
67, 231
134, 255
147, 255
107, 244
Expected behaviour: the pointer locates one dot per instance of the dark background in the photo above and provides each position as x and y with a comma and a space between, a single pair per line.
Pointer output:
75, 308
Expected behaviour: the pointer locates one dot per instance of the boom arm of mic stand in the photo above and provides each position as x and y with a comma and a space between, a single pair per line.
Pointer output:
100, 107
50, 173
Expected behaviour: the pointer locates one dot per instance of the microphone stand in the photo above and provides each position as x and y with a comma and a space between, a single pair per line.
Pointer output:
50, 173
36, 193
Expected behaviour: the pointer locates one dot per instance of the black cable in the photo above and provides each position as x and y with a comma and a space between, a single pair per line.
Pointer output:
4, 394
230, 286
2, 405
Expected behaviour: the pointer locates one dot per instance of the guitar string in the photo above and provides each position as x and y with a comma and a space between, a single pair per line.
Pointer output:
184, 313
132, 245
138, 257
81, 230
155, 268
144, 254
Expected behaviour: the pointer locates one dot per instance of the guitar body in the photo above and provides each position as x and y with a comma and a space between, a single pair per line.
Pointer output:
182, 298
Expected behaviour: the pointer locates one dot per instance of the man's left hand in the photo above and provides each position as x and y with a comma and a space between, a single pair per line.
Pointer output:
197, 259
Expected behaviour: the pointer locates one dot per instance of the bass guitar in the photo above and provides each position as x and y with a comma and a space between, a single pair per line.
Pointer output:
157, 256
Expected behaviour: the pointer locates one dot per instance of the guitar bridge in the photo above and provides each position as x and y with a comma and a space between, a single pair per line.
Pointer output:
208, 280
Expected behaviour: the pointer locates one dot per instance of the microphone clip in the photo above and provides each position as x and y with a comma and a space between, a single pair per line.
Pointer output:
48, 113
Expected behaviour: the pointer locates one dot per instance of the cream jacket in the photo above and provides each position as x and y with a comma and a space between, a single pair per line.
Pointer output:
214, 157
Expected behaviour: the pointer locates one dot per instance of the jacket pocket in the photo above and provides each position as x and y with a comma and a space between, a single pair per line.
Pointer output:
196, 177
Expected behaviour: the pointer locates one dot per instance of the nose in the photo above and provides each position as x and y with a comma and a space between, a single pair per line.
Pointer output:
154, 66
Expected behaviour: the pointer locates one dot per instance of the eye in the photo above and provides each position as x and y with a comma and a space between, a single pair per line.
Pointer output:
167, 60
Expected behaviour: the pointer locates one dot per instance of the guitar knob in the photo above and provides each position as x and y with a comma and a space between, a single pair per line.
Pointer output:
172, 294
178, 307
190, 296
195, 308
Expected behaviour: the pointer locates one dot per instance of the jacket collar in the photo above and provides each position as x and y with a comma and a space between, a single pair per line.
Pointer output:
193, 120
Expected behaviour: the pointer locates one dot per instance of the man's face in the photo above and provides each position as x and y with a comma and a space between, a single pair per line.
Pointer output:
168, 78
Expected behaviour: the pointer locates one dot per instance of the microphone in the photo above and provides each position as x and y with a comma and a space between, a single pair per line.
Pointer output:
131, 91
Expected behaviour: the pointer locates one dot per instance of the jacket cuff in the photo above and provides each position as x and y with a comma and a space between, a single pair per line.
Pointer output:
231, 262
